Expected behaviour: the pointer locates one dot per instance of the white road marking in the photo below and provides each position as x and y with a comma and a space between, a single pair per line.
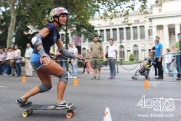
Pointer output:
3, 87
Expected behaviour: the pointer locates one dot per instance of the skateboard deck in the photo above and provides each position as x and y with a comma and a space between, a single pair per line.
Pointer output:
30, 108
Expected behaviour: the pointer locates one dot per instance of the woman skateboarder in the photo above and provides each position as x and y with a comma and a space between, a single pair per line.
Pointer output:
41, 62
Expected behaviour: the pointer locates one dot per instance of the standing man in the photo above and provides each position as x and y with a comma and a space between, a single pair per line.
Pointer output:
28, 53
73, 63
154, 60
112, 53
178, 58
96, 55
158, 57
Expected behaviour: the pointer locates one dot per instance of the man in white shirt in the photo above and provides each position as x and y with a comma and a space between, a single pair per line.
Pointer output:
73, 63
28, 53
112, 53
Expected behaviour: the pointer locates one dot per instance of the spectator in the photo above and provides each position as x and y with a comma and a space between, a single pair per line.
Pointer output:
154, 61
6, 70
84, 63
96, 55
88, 65
28, 67
112, 53
60, 59
5, 65
17, 57
73, 63
1, 61
12, 64
178, 58
158, 57
168, 59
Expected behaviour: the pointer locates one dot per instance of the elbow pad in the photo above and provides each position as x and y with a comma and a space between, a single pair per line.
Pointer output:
41, 52
66, 53
36, 40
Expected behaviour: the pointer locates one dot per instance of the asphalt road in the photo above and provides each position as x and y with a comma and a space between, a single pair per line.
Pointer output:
161, 102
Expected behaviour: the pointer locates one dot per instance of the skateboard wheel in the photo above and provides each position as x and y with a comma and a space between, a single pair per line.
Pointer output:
24, 114
30, 111
69, 115
73, 112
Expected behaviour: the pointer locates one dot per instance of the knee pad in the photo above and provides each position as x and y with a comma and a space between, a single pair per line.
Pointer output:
64, 77
44, 88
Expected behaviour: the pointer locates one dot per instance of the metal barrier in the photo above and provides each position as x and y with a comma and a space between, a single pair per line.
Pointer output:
175, 65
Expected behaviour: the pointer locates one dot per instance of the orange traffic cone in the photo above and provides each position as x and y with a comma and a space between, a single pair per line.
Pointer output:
146, 84
24, 78
75, 81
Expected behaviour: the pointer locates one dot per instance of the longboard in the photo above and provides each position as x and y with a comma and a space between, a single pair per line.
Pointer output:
30, 108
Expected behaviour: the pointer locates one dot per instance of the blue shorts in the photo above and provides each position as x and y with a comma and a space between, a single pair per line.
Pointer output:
35, 61
36, 65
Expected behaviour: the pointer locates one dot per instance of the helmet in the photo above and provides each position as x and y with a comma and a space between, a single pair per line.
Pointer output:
57, 11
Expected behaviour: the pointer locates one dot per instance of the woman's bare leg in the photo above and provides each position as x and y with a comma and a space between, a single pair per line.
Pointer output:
45, 79
54, 69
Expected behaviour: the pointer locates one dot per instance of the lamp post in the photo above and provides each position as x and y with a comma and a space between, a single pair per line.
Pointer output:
121, 61
66, 37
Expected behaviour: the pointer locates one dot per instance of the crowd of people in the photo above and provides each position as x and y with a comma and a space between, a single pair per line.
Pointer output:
10, 61
168, 58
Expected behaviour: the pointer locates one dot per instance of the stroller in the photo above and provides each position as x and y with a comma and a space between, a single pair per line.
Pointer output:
144, 70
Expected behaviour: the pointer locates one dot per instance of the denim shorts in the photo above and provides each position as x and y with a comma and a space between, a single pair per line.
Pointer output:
36, 65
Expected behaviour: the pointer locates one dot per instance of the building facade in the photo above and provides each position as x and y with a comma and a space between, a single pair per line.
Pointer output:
138, 38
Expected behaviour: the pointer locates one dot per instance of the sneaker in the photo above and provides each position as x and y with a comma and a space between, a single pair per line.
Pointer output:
156, 77
70, 77
178, 79
63, 104
74, 77
23, 103
159, 78
91, 73
110, 78
4, 74
85, 73
98, 78
94, 78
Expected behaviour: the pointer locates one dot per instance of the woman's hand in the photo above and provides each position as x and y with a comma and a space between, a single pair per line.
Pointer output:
80, 57
45, 60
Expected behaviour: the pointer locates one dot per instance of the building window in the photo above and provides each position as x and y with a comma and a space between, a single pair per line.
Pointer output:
96, 31
128, 33
121, 53
123, 22
108, 34
121, 34
111, 23
142, 32
102, 34
150, 34
99, 24
135, 33
115, 34
136, 21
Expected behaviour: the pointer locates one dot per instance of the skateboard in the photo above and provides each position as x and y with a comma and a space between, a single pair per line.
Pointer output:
30, 108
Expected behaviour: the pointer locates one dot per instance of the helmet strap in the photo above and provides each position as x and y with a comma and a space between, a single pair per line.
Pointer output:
57, 22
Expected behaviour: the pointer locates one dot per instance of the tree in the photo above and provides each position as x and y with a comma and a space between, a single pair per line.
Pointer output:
80, 11
31, 9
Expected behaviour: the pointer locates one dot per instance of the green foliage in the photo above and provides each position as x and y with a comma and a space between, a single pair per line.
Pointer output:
33, 12
4, 23
131, 57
